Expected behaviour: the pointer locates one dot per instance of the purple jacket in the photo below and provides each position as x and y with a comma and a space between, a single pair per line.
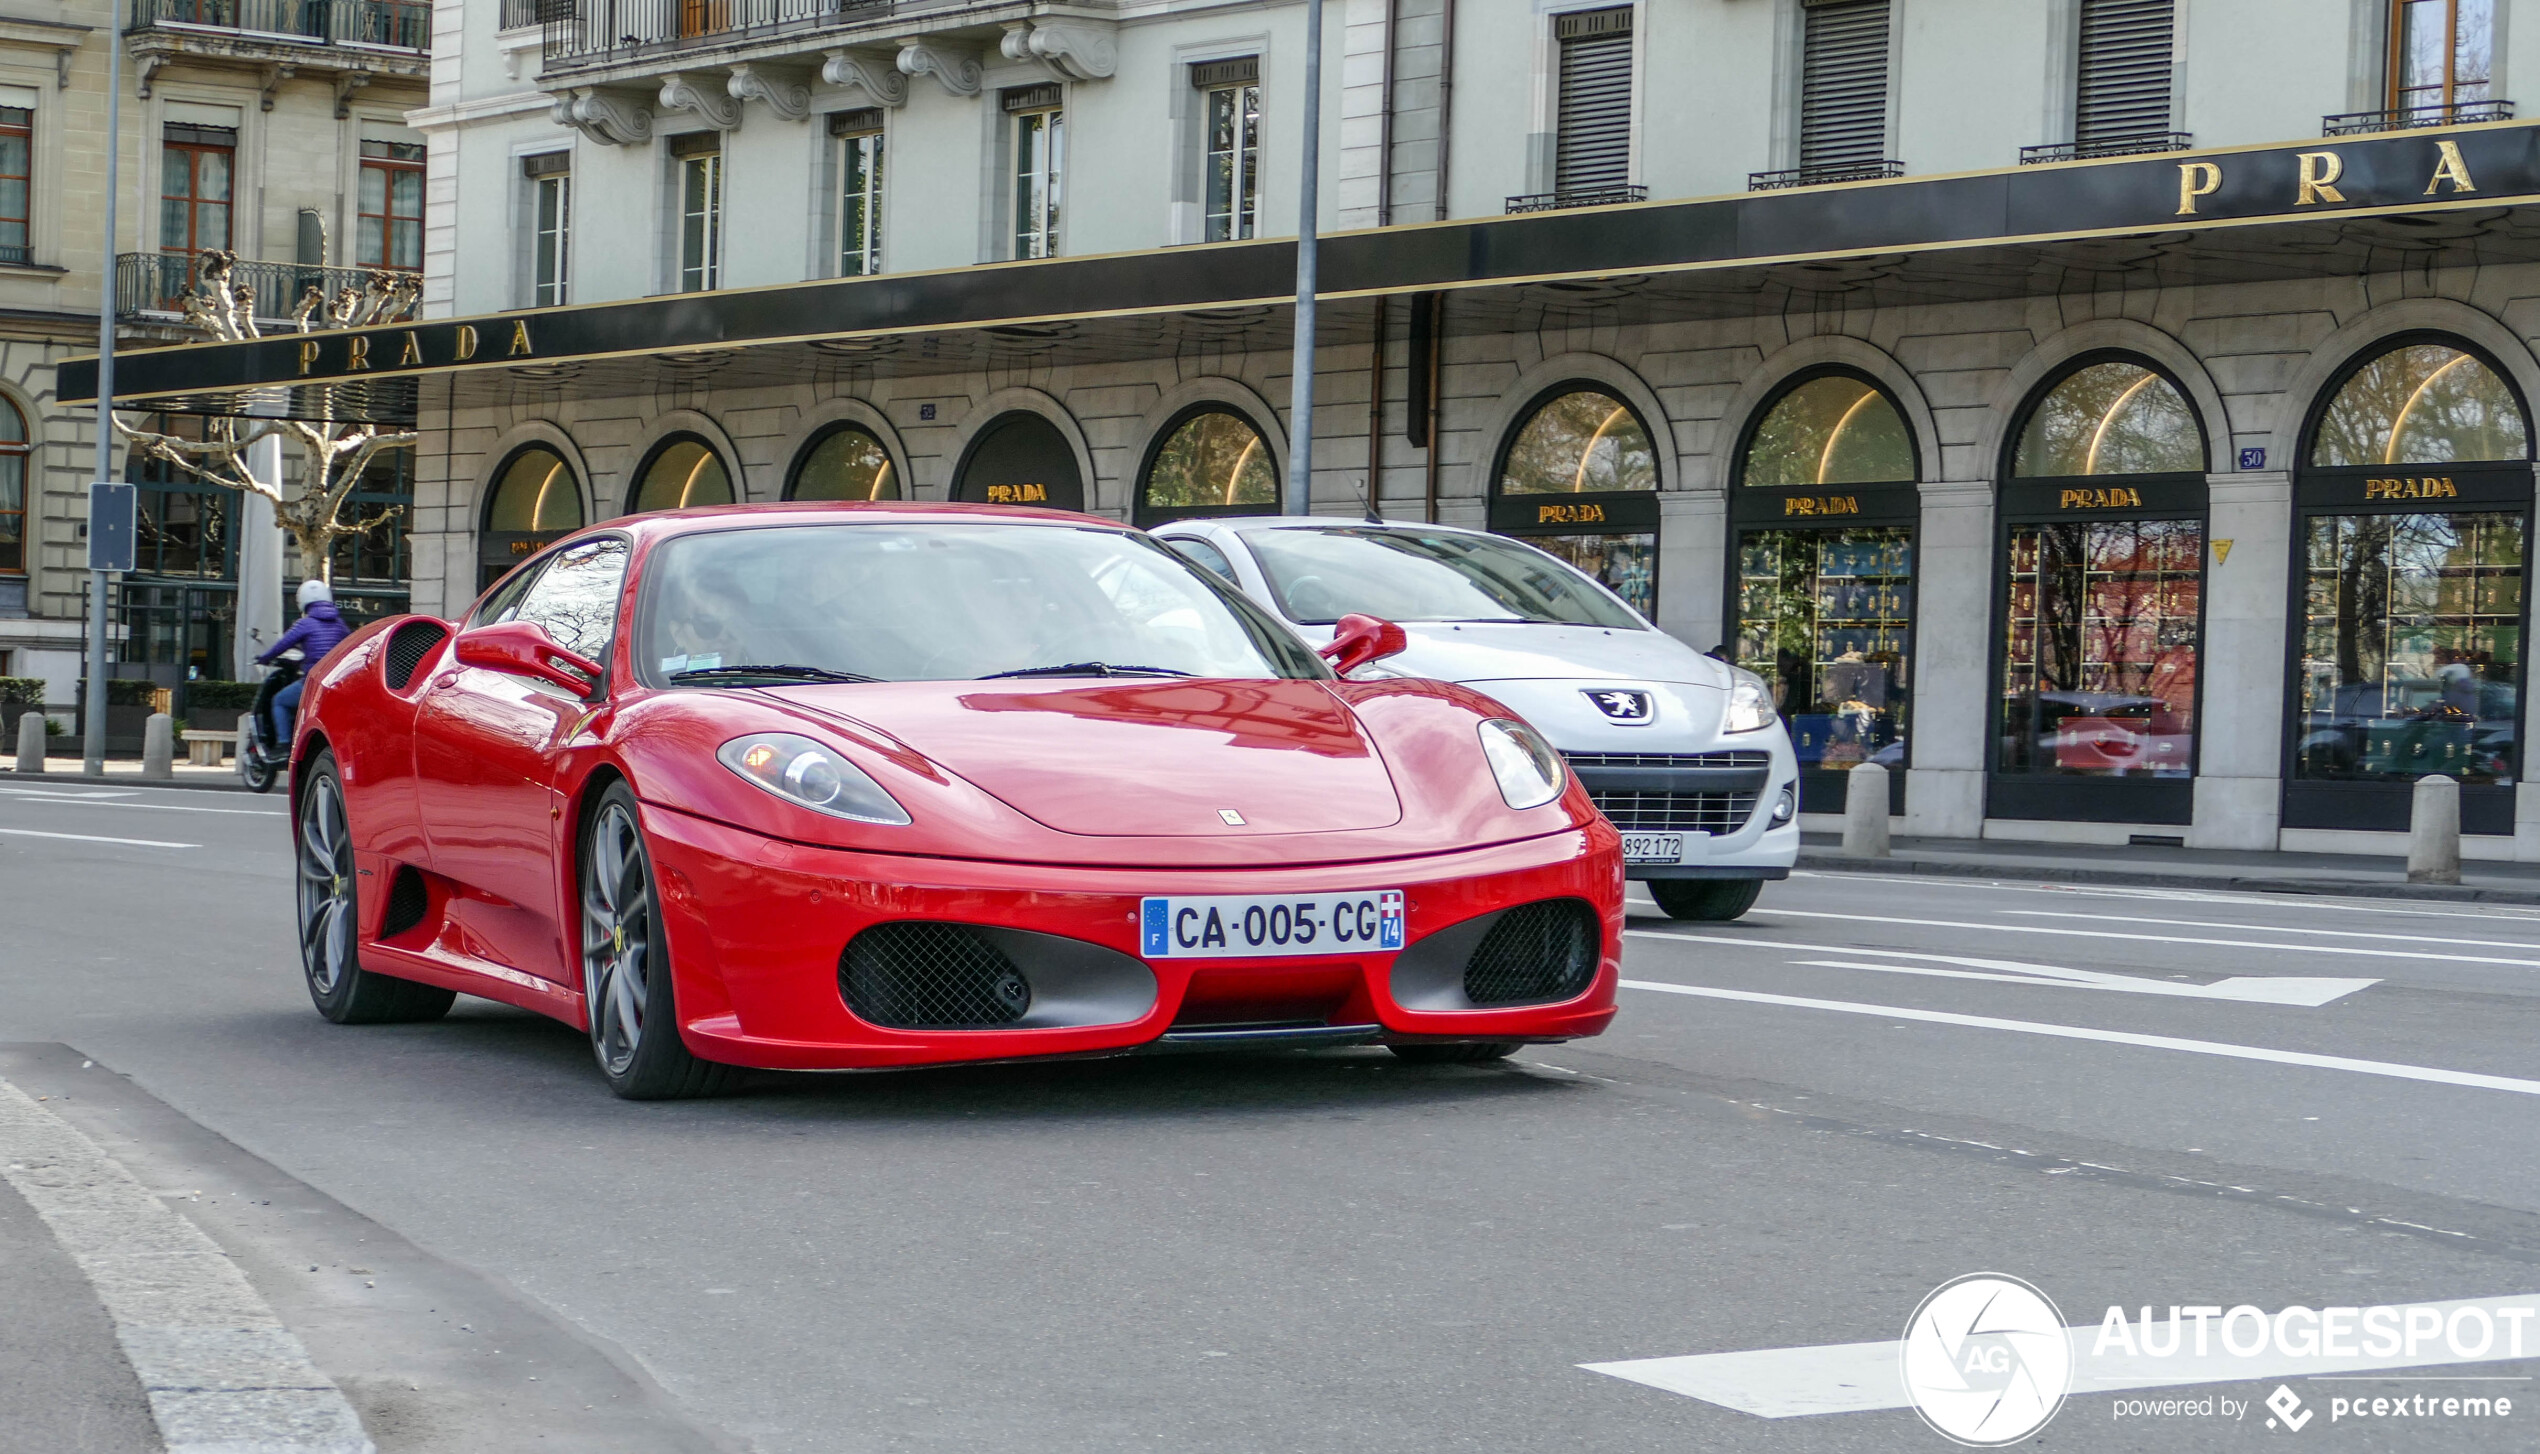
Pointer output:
318, 631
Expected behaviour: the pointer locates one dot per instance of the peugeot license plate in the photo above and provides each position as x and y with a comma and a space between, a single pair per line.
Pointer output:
1259, 926
1653, 847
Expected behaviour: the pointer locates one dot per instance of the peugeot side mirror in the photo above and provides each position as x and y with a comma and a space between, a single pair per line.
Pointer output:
1358, 640
524, 649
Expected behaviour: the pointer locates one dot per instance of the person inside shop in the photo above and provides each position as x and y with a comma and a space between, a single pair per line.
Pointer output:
318, 631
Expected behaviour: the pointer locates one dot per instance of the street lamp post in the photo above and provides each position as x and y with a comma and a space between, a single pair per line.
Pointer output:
93, 739
1298, 497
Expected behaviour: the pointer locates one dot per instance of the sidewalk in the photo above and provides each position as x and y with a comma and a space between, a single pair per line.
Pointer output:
2192, 868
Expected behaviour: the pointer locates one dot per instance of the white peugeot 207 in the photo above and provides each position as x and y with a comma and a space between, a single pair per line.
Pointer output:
1683, 752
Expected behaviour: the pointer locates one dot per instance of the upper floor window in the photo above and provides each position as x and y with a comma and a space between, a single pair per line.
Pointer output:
700, 162
17, 180
2442, 52
550, 177
1592, 143
2122, 84
1231, 91
195, 164
391, 213
859, 136
1843, 85
12, 488
1040, 160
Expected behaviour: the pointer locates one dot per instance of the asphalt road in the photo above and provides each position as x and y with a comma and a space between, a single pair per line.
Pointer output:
2126, 1096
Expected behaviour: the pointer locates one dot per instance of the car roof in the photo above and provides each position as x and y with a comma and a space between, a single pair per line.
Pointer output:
660, 524
1244, 524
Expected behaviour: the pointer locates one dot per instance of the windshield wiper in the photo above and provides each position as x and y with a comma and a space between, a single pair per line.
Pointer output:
776, 671
1087, 669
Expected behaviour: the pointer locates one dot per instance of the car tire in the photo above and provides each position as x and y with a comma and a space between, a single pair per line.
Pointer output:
1713, 900
626, 979
1466, 1052
330, 916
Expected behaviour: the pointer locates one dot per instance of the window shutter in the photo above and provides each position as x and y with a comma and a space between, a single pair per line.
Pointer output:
1843, 84
2124, 89
1592, 146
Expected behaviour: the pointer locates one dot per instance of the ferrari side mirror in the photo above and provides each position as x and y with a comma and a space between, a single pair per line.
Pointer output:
524, 649
1358, 640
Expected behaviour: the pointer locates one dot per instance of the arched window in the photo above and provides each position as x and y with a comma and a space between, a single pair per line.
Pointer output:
1822, 572
684, 471
13, 449
1020, 459
534, 501
1578, 477
2415, 500
1209, 461
2101, 584
845, 463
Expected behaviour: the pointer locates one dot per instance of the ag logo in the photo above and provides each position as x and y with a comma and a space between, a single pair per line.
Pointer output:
1986, 1360
1631, 709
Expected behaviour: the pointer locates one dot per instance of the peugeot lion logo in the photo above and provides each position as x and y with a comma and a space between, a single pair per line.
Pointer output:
1632, 709
1986, 1360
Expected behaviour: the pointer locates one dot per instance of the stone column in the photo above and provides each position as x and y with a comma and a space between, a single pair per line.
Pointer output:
1693, 536
1953, 670
2249, 549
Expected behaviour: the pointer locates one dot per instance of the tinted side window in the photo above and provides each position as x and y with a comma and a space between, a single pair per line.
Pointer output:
1201, 553
504, 604
575, 597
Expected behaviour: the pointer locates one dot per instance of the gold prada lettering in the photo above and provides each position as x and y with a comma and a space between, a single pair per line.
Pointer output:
2450, 168
1821, 505
2435, 487
467, 343
1585, 514
2114, 497
412, 353
1024, 494
356, 352
520, 339
2196, 179
308, 354
2319, 170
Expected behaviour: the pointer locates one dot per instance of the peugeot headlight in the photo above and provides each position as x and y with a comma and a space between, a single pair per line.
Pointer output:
808, 775
1529, 771
1750, 706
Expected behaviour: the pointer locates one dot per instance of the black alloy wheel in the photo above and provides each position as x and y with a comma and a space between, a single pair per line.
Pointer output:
330, 917
626, 980
1713, 900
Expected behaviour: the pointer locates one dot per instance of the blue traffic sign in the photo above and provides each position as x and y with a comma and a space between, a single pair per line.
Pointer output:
112, 528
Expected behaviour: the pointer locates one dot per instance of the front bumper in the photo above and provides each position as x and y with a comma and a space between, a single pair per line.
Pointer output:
756, 927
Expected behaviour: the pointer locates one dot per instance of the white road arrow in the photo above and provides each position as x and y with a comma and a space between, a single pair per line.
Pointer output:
2306, 992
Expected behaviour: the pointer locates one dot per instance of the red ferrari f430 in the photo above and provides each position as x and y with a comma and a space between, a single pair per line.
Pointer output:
834, 787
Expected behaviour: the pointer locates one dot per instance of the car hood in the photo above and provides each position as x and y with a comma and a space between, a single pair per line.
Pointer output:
1144, 758
1492, 651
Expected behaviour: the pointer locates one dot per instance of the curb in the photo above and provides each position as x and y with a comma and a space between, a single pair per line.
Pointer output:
76, 778
2153, 878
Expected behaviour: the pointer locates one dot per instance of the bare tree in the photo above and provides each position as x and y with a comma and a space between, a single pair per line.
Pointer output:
333, 454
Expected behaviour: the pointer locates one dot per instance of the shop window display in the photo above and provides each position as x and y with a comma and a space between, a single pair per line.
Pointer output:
534, 501
846, 464
1212, 461
681, 474
1579, 480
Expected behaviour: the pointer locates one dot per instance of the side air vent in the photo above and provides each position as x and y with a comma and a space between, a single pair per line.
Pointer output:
913, 975
408, 645
1536, 954
406, 903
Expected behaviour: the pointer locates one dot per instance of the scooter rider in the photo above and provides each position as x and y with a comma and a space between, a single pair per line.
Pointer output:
318, 631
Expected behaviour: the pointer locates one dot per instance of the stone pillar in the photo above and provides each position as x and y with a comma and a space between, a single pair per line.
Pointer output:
2240, 725
158, 746
1693, 554
1953, 670
31, 741
259, 621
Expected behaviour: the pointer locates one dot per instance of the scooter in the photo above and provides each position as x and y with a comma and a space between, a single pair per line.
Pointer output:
260, 760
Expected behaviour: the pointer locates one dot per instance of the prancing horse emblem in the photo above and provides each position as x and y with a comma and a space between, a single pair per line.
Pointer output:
1233, 818
1631, 709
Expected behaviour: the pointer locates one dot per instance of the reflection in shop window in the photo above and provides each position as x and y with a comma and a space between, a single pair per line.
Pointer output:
2412, 647
2421, 403
685, 473
1587, 442
2101, 641
1823, 616
1213, 458
847, 464
2112, 418
1831, 430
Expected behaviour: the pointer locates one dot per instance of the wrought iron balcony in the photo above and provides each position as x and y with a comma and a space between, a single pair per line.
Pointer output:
1579, 197
152, 286
390, 24
2119, 146
1818, 176
598, 31
2459, 113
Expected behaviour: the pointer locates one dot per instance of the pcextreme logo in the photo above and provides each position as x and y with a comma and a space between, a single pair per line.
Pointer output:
1986, 1360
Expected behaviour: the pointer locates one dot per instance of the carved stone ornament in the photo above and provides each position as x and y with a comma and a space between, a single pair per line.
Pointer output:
869, 71
790, 102
958, 71
604, 116
1069, 50
711, 103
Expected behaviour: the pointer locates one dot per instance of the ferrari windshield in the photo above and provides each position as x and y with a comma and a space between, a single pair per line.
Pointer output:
944, 602
1415, 575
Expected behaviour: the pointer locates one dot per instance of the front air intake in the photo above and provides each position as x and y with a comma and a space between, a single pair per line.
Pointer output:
1536, 954
917, 975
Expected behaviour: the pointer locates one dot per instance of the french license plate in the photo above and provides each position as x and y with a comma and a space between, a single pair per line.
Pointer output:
1260, 926
1653, 847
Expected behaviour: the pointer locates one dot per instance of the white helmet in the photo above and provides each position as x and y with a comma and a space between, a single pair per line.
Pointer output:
314, 589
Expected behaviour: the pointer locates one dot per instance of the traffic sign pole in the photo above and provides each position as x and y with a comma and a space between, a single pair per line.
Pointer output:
93, 740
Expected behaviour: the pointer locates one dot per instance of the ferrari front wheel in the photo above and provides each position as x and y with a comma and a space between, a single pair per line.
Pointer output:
626, 982
330, 918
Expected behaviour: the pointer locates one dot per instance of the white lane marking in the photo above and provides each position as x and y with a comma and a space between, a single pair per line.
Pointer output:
2430, 1074
93, 838
2309, 902
101, 800
2268, 928
1853, 1378
2310, 993
2155, 938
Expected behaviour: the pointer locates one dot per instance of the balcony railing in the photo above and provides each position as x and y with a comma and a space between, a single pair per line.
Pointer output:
1579, 197
1820, 175
2460, 113
2120, 146
595, 30
153, 283
395, 24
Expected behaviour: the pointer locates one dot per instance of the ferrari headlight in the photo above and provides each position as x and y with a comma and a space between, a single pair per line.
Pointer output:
808, 775
1529, 771
1750, 706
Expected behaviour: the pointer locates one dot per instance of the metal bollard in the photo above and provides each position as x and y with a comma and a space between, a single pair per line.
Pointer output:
1865, 812
31, 742
158, 745
2434, 831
